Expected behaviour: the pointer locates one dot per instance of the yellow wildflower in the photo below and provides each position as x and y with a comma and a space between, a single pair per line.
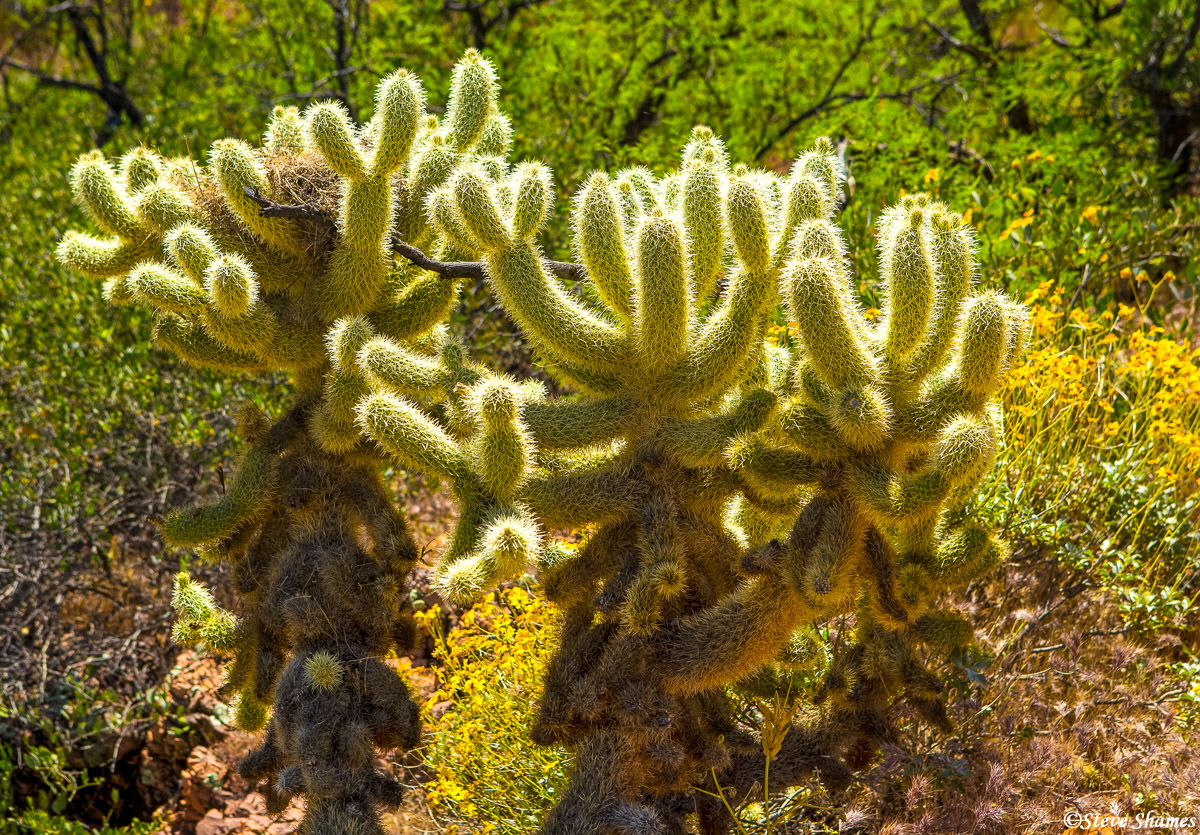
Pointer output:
1018, 223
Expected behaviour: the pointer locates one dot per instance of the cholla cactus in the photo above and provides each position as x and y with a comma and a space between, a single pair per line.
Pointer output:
679, 457
884, 433
737, 490
671, 377
241, 282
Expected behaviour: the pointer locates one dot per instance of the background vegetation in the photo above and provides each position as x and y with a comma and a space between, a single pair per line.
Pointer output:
1067, 129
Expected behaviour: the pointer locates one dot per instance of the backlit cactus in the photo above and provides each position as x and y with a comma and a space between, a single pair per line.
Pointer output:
671, 376
695, 447
320, 553
882, 433
737, 490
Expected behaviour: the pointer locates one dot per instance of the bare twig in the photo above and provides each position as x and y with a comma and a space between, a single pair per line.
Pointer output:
1053, 34
269, 208
47, 79
481, 24
970, 49
96, 48
830, 96
446, 269
961, 152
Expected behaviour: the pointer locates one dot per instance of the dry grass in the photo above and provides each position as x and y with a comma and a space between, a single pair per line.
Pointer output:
1076, 715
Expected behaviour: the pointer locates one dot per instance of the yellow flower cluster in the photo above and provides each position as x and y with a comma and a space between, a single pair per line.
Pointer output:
1169, 372
1018, 224
1092, 383
780, 334
486, 772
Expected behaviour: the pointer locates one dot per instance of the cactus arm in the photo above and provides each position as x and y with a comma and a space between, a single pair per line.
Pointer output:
472, 100
822, 566
394, 368
830, 322
954, 250
701, 210
405, 432
102, 257
507, 546
909, 272
984, 342
102, 197
250, 491
562, 424
191, 250
574, 578
730, 640
600, 240
191, 340
897, 498
701, 442
431, 168
771, 471
809, 429
140, 168
967, 552
285, 131
167, 290
579, 498
720, 348
503, 452
162, 207
662, 298
560, 327
237, 169
358, 269
586, 382
416, 307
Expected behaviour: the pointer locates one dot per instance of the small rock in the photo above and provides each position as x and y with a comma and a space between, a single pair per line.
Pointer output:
257, 824
214, 823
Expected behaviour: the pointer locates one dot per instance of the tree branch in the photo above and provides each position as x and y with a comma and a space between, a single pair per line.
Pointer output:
47, 79
1189, 42
829, 96
970, 49
977, 20
1099, 16
446, 269
269, 208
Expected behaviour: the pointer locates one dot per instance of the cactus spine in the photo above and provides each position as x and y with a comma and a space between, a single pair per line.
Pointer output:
320, 554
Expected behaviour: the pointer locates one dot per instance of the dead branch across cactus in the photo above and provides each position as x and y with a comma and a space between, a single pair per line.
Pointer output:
446, 269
